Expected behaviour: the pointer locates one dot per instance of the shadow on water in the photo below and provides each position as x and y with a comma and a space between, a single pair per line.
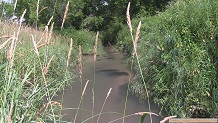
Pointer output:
112, 73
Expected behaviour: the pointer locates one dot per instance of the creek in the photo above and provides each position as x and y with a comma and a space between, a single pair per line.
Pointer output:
110, 72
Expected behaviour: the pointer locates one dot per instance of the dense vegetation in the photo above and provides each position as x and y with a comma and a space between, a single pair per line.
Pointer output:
177, 50
31, 73
178, 55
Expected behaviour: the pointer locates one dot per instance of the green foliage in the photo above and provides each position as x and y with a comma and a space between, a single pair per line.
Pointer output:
178, 55
86, 39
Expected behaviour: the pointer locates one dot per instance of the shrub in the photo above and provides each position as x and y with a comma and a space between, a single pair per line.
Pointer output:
178, 55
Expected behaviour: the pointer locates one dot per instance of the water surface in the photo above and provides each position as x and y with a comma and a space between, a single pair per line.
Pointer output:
110, 72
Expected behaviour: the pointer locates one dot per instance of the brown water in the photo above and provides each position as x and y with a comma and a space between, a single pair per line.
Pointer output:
110, 72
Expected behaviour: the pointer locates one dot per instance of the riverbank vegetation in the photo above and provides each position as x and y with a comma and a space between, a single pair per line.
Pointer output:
177, 52
35, 65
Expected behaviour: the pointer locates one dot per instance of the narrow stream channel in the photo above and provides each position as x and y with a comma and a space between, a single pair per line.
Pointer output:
110, 72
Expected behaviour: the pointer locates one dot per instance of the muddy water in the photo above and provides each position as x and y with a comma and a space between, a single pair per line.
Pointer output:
110, 72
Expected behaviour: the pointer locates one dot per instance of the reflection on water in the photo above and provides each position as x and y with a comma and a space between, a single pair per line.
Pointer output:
110, 72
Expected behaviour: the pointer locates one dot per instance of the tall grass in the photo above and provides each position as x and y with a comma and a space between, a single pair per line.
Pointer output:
31, 74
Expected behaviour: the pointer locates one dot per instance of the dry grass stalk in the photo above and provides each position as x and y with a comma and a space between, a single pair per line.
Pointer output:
46, 31
15, 5
65, 14
42, 37
84, 89
49, 21
167, 118
11, 111
96, 45
4, 43
70, 51
142, 113
35, 46
50, 103
47, 66
5, 36
129, 23
12, 50
104, 104
138, 113
42, 9
80, 63
21, 18
128, 17
37, 13
41, 45
136, 39
50, 33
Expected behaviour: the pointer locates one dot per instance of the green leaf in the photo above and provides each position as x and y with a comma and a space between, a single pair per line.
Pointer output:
143, 117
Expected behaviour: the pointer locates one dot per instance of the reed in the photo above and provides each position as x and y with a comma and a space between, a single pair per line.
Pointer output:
45, 71
93, 86
83, 92
70, 51
65, 14
104, 104
37, 13
134, 114
35, 46
20, 24
25, 85
135, 54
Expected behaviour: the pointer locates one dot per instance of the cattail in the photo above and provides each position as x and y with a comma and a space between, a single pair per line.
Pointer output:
47, 66
65, 14
96, 45
70, 51
35, 46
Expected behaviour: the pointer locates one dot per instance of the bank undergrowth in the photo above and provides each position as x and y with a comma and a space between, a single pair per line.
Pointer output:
178, 57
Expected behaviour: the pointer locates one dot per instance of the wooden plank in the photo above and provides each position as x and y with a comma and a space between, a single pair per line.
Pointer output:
193, 120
